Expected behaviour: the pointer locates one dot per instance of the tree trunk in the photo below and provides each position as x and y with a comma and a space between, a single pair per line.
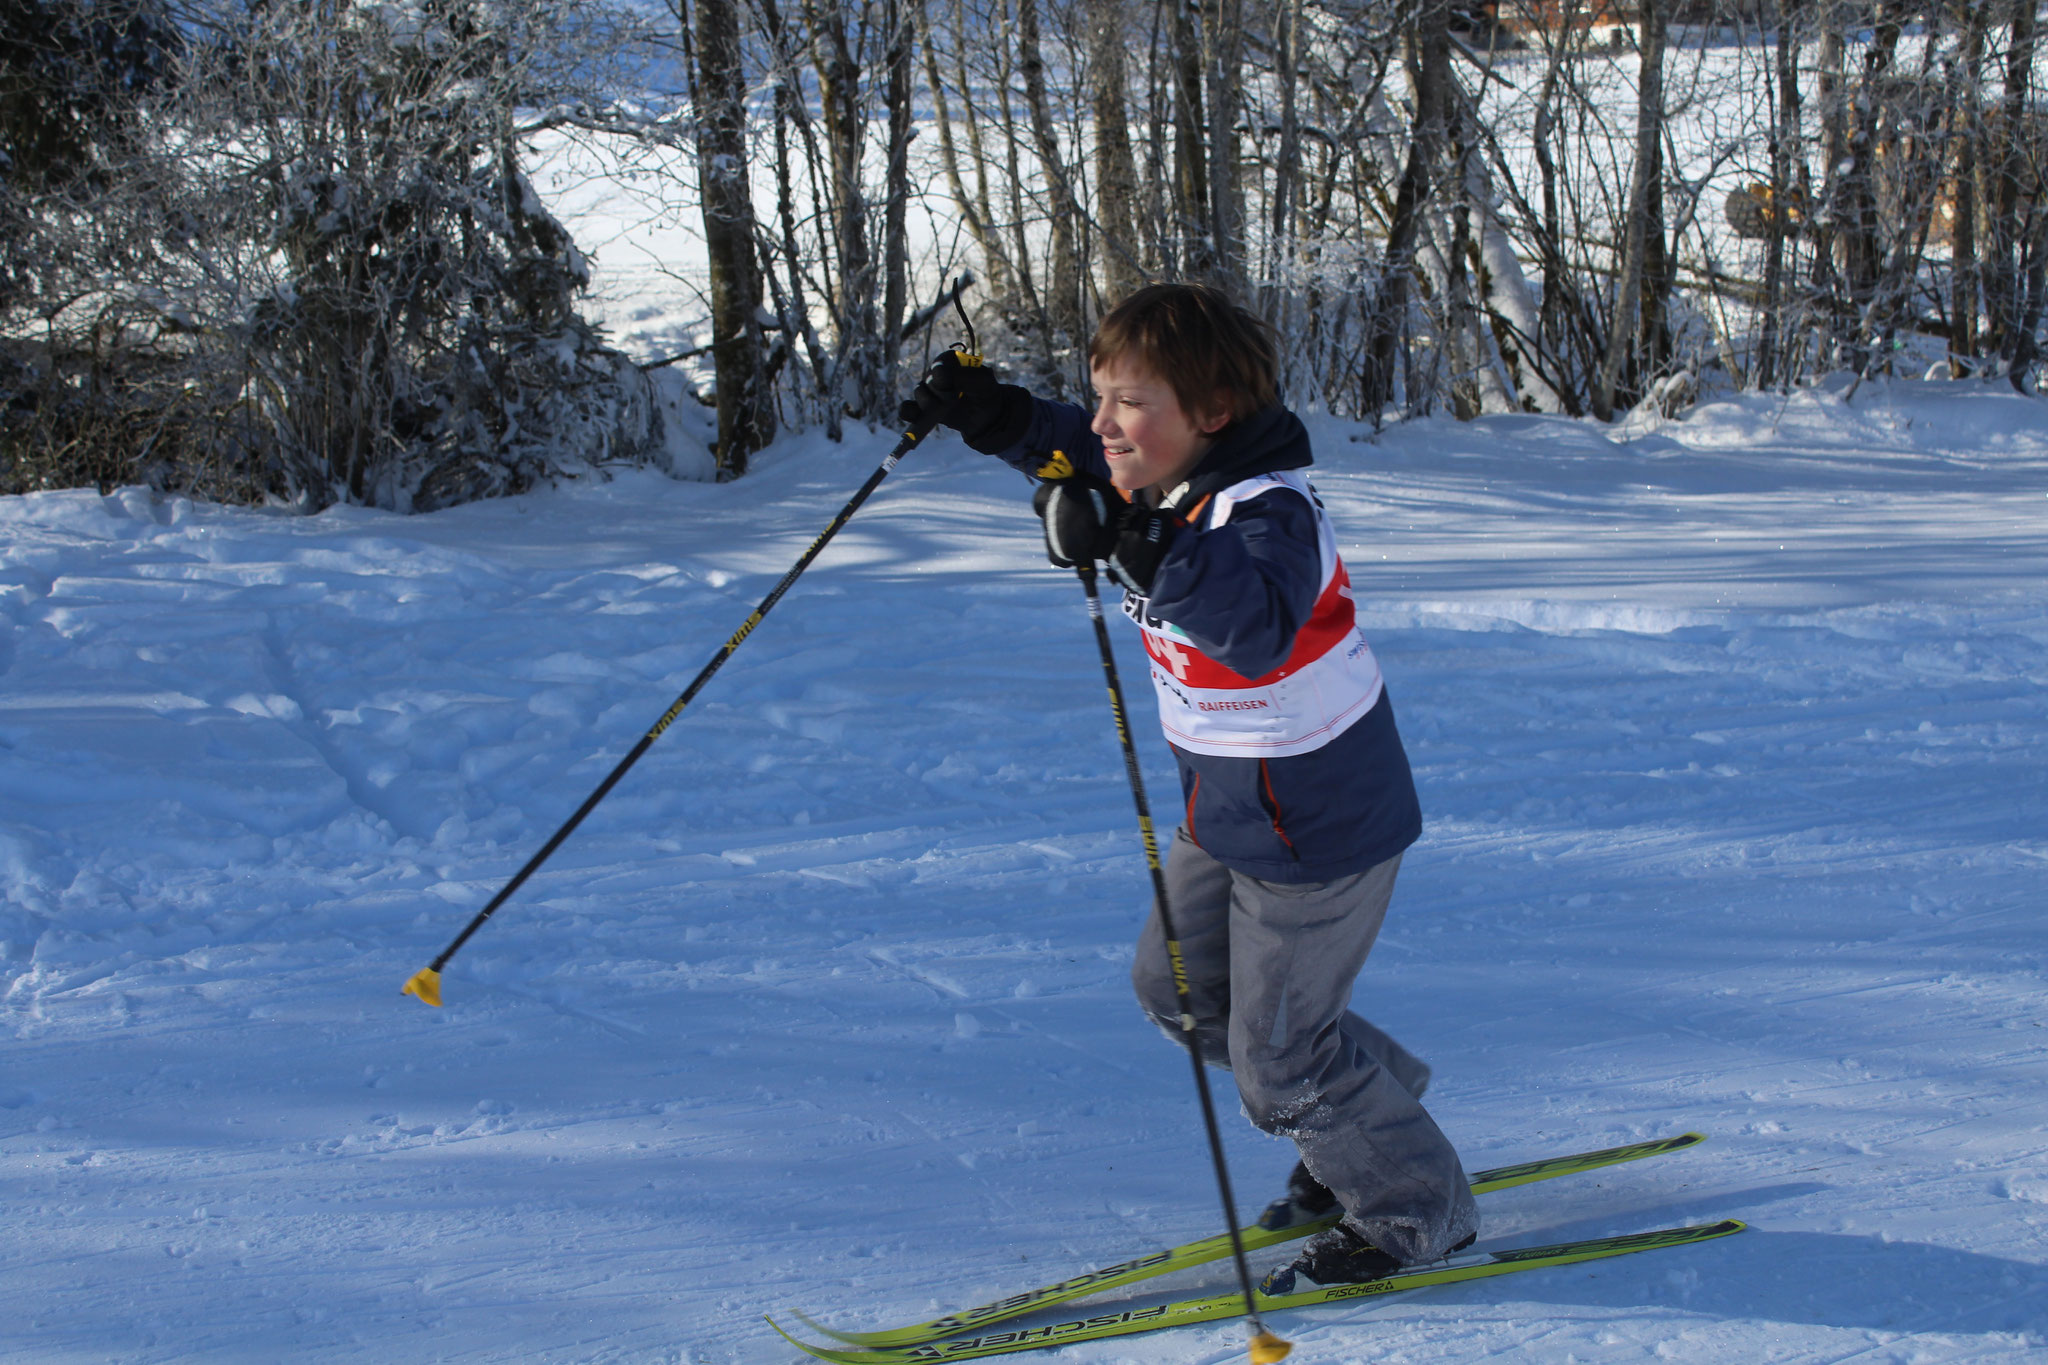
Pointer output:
1116, 174
1430, 75
1037, 326
1196, 246
1282, 288
1830, 93
2009, 214
900, 20
1623, 335
1286, 164
1510, 304
1003, 282
1783, 140
1156, 217
857, 373
1966, 132
1063, 301
746, 412
791, 303
974, 208
1223, 47
1550, 241
1473, 378
1653, 333
2026, 350
1857, 222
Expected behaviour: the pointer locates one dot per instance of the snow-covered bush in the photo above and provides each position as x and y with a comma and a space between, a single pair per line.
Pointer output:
338, 284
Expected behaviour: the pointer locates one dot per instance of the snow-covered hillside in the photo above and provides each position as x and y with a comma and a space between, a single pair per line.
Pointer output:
1731, 734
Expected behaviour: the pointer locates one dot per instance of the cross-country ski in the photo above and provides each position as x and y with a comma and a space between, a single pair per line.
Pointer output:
1268, 1232
1221, 1307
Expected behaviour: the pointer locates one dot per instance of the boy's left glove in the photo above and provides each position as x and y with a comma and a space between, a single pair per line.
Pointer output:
1081, 514
1144, 537
1087, 518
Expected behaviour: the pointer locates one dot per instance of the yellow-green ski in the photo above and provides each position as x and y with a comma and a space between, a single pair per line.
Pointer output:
1217, 1307
1217, 1247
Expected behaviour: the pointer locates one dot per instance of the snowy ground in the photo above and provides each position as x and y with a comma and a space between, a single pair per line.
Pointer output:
1731, 735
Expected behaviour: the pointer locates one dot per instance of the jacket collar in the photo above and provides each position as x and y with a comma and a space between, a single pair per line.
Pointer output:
1270, 440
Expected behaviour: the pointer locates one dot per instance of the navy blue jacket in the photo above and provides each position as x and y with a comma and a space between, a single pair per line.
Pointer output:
1242, 591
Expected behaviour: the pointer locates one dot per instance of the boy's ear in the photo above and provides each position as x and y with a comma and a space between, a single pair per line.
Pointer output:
1218, 414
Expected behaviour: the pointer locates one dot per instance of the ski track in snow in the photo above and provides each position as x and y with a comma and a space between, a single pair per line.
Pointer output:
1729, 730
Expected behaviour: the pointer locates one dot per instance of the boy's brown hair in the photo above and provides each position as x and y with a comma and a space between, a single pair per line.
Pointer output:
1196, 340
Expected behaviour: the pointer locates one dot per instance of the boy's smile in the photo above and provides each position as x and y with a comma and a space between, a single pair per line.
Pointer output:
1147, 437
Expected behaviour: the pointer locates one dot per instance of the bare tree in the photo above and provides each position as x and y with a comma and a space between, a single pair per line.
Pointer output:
1194, 243
1429, 62
1966, 132
1785, 148
1116, 172
2016, 190
1222, 48
1642, 226
973, 206
899, 40
746, 413
857, 378
1062, 207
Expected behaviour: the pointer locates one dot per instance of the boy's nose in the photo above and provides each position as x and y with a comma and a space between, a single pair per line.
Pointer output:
1102, 425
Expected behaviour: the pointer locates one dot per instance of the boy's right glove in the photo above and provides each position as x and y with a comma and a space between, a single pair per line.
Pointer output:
1082, 516
990, 417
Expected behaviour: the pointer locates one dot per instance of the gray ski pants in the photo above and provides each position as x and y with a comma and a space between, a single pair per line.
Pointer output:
1270, 967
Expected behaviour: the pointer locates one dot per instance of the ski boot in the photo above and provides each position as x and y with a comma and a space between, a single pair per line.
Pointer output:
1307, 1200
1338, 1256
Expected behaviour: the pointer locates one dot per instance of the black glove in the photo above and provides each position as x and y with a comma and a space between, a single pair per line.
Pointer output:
1081, 514
960, 392
1143, 538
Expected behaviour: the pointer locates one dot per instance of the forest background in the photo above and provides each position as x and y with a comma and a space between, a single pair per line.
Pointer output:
292, 251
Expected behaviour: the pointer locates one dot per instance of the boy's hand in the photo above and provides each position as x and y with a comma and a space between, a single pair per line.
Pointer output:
1143, 538
1081, 515
990, 417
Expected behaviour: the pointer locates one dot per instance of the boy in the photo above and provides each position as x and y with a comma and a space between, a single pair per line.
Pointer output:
1299, 800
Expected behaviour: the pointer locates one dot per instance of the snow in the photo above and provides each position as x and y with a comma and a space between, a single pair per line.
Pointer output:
1729, 730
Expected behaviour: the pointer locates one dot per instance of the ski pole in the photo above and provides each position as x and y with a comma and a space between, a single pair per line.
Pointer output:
426, 982
1266, 1348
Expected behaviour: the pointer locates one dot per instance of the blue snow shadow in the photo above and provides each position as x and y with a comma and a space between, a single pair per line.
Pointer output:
1824, 1280
1837, 1280
1813, 1278
1806, 1278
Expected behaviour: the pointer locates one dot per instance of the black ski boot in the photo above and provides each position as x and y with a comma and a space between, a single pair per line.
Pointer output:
1307, 1200
1338, 1256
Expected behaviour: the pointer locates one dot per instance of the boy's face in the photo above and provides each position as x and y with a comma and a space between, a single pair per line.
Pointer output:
1148, 438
